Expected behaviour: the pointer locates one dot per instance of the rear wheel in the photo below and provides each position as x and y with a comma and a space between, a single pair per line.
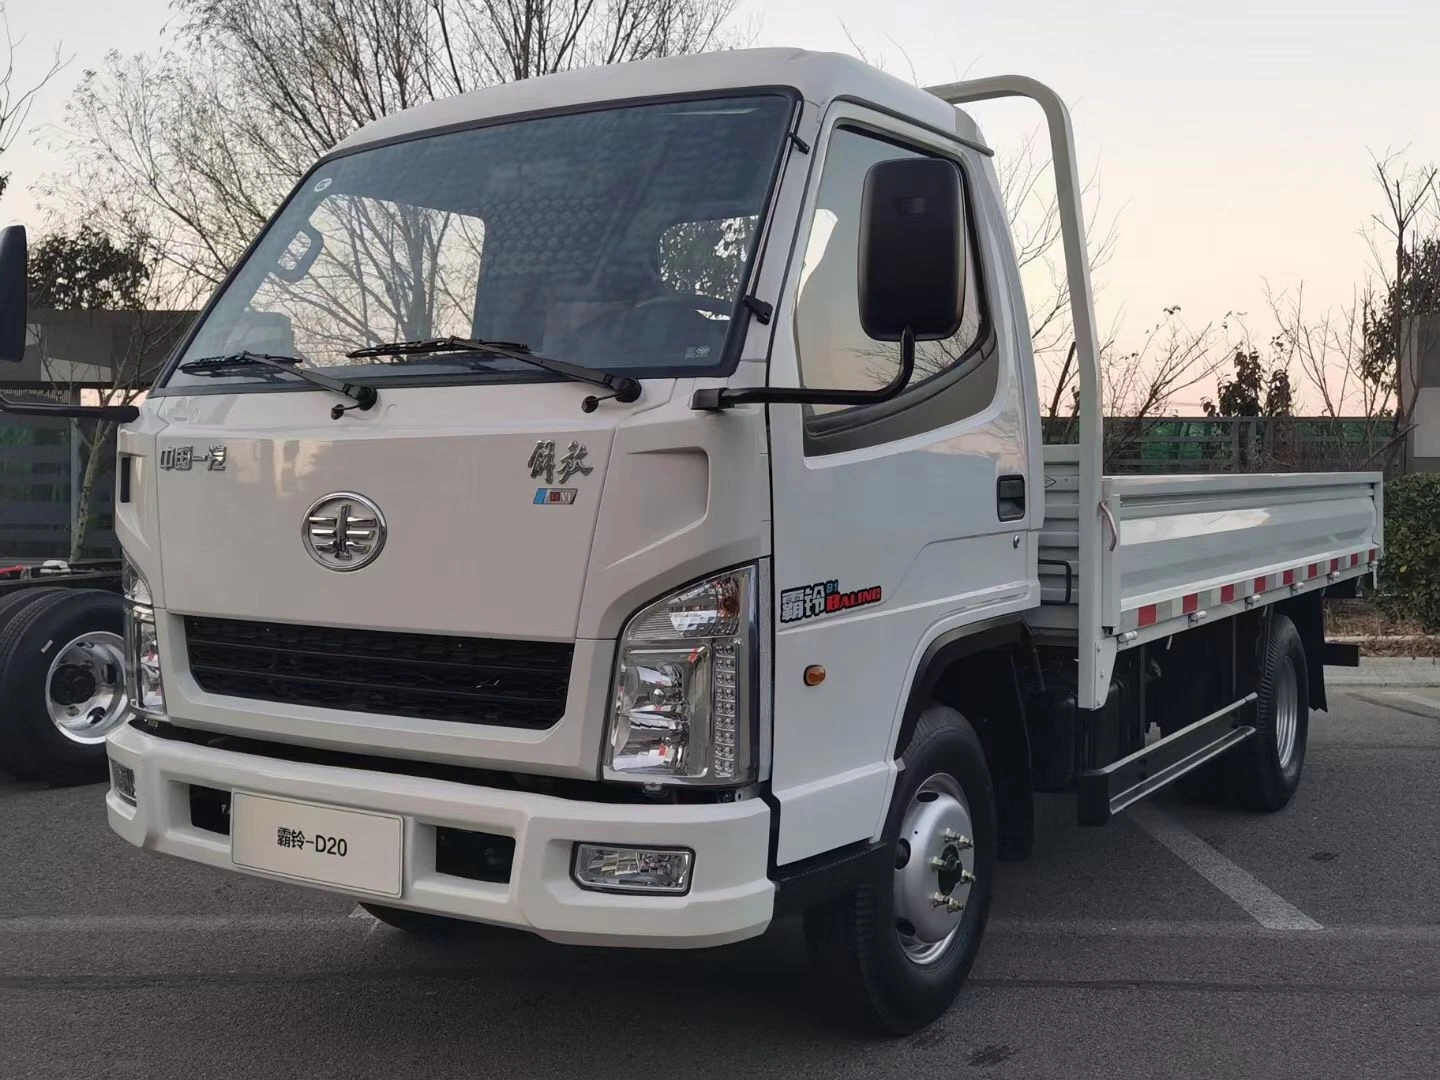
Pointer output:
62, 685
1264, 771
898, 949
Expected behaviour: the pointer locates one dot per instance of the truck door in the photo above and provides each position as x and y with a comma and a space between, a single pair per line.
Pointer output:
894, 523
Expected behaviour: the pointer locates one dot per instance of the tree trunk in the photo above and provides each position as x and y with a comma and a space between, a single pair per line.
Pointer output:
104, 430
1399, 309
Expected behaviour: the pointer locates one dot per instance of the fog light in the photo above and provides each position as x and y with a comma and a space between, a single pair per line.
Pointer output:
638, 870
122, 779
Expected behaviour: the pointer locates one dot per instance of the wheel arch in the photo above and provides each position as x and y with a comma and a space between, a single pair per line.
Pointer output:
979, 672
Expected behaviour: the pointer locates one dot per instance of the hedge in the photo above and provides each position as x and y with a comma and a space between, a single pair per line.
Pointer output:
1410, 574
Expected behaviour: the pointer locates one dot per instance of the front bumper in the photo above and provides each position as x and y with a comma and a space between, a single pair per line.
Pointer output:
730, 898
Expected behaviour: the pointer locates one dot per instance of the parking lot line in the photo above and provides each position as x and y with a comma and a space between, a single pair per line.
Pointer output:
1424, 934
1265, 906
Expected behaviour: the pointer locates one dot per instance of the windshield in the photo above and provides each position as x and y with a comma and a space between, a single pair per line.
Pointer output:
618, 239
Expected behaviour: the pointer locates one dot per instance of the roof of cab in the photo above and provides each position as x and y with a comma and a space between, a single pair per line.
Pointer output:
819, 76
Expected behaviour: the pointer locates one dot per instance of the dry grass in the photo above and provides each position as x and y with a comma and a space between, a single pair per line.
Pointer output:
1376, 633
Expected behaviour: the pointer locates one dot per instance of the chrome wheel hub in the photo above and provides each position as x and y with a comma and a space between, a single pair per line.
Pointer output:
85, 687
934, 868
1287, 710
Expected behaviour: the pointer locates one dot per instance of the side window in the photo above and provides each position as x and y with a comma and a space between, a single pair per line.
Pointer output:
835, 353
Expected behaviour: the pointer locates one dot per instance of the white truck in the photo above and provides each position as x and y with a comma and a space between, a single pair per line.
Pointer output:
613, 505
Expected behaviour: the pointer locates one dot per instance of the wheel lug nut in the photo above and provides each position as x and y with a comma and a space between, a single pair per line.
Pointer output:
960, 840
967, 878
949, 903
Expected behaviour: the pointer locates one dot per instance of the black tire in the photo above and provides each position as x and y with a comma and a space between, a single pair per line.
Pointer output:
11, 604
853, 940
424, 924
1258, 779
31, 746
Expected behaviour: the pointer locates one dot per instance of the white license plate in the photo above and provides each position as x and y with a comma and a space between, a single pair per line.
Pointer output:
353, 849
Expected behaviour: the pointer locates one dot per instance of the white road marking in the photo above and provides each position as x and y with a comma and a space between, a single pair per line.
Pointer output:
1415, 699
1198, 928
360, 913
1265, 906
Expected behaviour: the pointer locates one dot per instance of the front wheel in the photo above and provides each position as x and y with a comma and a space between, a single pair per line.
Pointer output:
899, 949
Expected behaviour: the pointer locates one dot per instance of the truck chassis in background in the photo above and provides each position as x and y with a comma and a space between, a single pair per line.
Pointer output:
62, 672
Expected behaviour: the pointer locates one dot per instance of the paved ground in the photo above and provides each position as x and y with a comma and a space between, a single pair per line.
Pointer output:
1138, 950
1390, 671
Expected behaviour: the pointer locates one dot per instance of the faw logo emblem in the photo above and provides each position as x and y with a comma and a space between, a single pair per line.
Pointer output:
344, 531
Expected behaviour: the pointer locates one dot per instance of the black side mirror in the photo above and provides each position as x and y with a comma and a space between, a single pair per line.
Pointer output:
912, 250
911, 276
13, 266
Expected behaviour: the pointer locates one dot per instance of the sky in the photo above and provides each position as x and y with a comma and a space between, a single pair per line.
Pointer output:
1231, 141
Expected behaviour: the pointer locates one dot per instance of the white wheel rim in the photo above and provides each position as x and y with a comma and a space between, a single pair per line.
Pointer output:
1287, 710
85, 687
934, 869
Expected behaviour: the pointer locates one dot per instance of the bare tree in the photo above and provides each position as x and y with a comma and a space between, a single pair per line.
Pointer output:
1329, 350
15, 102
1140, 384
1408, 221
202, 141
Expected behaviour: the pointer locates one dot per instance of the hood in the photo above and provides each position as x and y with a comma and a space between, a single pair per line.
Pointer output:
487, 497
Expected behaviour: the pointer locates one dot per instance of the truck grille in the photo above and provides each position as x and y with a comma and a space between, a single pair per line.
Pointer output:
465, 680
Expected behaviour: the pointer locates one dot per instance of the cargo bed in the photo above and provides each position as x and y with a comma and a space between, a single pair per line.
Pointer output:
1176, 550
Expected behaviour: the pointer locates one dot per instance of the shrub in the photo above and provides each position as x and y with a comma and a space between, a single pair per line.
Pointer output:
1410, 574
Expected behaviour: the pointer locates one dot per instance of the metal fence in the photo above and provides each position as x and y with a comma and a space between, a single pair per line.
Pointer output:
1237, 444
42, 464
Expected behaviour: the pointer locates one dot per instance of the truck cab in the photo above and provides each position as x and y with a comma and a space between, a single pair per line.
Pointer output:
610, 505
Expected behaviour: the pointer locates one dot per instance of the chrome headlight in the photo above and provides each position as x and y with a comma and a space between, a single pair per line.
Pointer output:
684, 707
142, 646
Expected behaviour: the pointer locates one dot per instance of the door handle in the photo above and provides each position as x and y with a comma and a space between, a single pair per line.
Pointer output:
1010, 497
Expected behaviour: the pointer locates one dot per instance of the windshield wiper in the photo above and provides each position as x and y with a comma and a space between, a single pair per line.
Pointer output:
363, 396
623, 388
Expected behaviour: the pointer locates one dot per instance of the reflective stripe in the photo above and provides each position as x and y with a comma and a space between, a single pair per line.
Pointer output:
1189, 603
